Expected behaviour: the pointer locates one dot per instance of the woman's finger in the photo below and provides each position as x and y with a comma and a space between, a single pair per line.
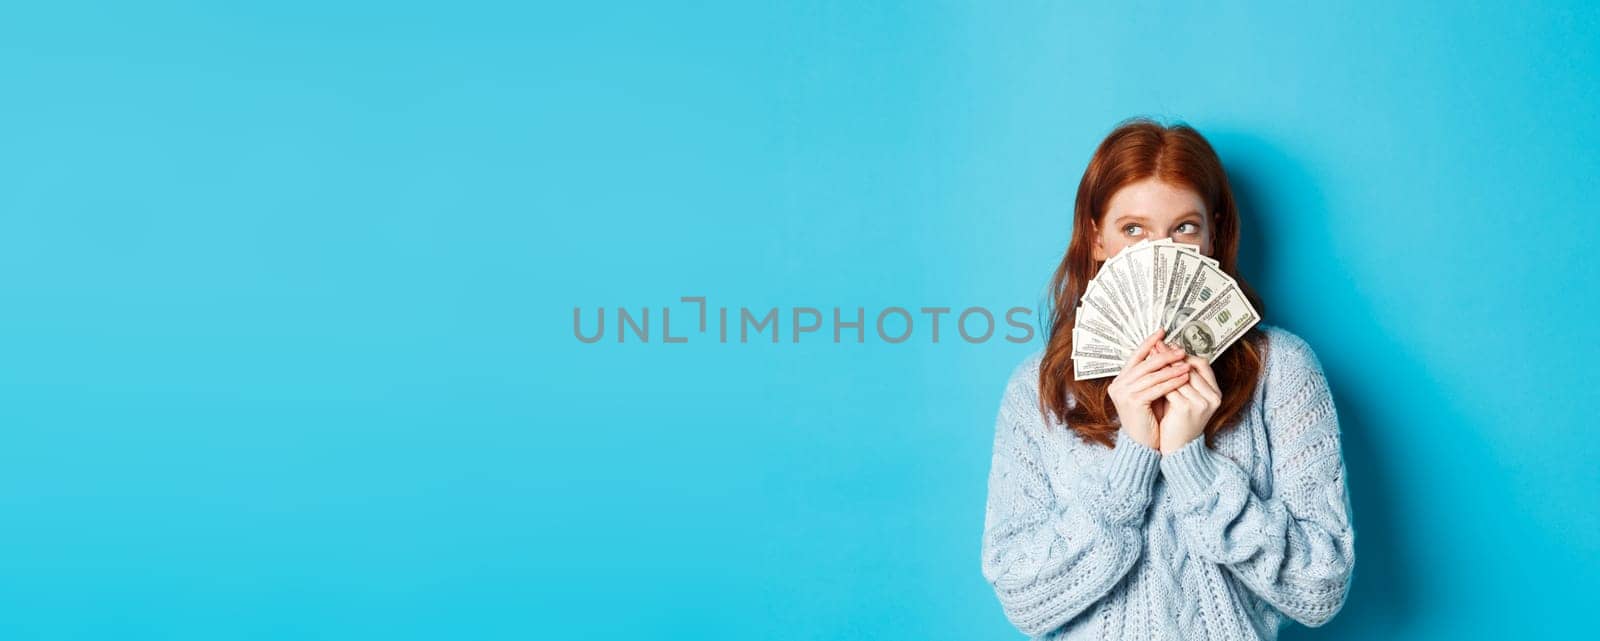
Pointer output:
1152, 362
1208, 375
1156, 377
1191, 394
1144, 347
1204, 389
1160, 389
1208, 390
1176, 400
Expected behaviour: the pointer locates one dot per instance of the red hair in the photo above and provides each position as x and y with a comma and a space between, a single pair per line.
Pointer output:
1140, 148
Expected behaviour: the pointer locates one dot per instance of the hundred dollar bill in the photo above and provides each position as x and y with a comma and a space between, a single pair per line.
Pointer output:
1083, 369
1217, 325
1185, 262
1105, 308
1106, 281
1091, 321
1150, 285
1162, 256
1209, 281
1136, 264
1121, 285
1087, 345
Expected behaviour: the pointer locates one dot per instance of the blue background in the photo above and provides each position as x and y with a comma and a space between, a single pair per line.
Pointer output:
287, 345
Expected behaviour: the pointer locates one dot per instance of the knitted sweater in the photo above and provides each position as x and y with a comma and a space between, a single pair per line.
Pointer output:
1082, 541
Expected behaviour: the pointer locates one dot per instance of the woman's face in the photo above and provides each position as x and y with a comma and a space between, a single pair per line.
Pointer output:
1152, 209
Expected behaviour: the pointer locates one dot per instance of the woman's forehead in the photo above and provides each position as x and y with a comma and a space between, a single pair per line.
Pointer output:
1152, 198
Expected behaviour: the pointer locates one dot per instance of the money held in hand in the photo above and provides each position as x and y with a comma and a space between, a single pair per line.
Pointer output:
1155, 284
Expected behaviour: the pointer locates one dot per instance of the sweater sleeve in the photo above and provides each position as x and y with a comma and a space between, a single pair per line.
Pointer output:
1051, 557
1296, 548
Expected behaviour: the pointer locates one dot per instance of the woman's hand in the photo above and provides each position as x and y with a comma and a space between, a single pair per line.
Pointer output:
1154, 371
1190, 406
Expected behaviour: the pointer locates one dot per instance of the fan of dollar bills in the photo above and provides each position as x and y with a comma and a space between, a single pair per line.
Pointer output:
1155, 284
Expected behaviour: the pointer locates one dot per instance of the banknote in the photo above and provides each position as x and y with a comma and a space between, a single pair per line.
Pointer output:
1157, 284
1216, 325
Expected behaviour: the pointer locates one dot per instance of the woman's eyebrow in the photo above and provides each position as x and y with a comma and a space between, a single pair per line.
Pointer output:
1140, 218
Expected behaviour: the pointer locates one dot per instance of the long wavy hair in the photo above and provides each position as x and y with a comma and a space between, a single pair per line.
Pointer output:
1140, 148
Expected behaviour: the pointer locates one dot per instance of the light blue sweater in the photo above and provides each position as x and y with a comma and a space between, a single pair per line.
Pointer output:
1081, 541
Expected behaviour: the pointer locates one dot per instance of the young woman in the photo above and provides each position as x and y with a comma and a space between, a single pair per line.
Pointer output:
1179, 499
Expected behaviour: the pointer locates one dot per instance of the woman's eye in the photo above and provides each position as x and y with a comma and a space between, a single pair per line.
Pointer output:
1129, 230
1192, 228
